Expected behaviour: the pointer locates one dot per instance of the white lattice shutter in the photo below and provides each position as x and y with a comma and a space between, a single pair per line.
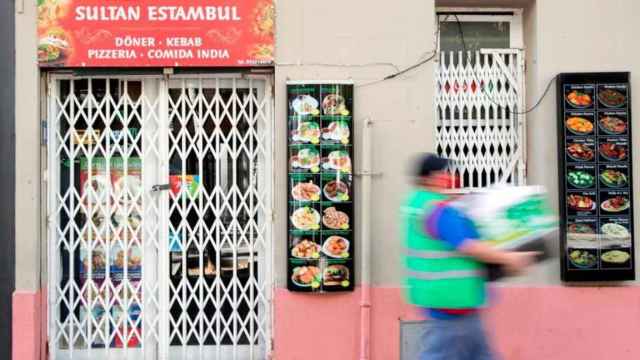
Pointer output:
124, 298
478, 98
86, 313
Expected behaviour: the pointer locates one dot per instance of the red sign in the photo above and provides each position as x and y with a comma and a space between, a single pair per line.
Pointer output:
155, 32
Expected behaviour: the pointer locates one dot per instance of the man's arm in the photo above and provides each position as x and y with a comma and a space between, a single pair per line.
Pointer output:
514, 262
455, 229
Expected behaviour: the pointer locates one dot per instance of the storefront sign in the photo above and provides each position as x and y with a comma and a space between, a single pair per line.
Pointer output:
155, 33
320, 243
594, 127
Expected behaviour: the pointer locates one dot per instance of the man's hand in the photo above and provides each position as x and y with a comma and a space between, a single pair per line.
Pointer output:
516, 262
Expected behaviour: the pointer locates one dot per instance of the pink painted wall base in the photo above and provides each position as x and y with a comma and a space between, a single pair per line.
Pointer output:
526, 323
567, 323
27, 325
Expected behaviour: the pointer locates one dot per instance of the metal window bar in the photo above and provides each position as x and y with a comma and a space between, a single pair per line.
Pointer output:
478, 96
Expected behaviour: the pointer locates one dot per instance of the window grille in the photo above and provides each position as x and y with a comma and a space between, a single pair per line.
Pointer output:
478, 97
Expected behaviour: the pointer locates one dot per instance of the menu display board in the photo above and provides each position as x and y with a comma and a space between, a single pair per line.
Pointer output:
595, 177
320, 244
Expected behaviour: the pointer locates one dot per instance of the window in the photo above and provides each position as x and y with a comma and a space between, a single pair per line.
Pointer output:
479, 94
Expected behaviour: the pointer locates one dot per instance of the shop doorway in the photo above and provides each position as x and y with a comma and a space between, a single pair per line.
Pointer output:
159, 227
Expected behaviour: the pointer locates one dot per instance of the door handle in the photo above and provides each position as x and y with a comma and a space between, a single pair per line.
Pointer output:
160, 187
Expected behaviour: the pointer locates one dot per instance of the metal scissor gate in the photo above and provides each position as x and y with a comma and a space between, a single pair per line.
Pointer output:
159, 217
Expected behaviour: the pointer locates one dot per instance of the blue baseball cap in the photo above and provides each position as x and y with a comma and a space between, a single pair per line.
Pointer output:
429, 163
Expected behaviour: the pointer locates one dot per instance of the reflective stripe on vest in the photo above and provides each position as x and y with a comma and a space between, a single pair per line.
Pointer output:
435, 254
442, 275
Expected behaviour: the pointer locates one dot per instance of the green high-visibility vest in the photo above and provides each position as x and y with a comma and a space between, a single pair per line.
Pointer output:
436, 275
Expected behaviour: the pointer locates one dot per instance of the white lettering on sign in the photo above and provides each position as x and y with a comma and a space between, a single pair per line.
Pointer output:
193, 13
213, 53
184, 41
170, 54
157, 13
107, 13
111, 54
130, 41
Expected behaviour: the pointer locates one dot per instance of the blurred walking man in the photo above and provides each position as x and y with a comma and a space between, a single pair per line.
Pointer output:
445, 267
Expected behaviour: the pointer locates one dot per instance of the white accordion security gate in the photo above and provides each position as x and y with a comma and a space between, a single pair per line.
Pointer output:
159, 217
480, 123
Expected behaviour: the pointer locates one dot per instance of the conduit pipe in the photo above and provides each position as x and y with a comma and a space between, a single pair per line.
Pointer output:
365, 221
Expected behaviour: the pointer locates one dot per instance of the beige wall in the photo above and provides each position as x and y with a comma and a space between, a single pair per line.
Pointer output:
560, 36
576, 36
27, 151
348, 37
365, 41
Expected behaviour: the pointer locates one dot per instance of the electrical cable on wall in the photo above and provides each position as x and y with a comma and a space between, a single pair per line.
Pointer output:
432, 56
434, 53
475, 76
464, 47
396, 74
372, 64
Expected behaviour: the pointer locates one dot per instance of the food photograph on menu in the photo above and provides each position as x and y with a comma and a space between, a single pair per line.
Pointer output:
581, 150
320, 227
612, 123
594, 123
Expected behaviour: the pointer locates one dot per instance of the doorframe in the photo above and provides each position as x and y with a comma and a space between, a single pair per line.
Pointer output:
8, 182
50, 77
516, 40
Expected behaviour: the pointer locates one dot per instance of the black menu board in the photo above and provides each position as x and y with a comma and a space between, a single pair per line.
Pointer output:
595, 177
320, 244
